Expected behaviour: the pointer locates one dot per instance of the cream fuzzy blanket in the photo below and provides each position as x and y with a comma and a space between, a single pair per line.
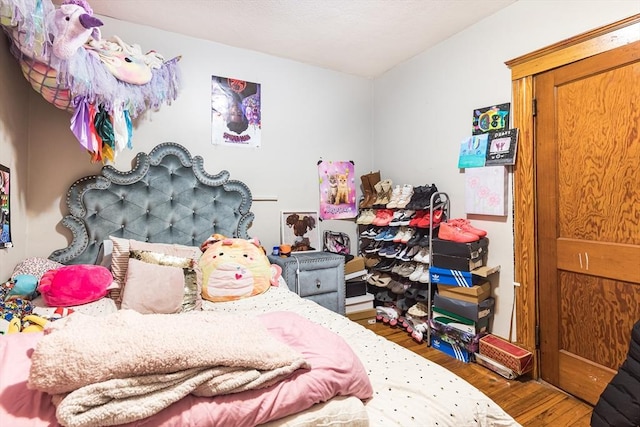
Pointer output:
127, 366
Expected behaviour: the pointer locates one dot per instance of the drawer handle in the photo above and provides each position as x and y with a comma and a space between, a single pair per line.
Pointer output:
318, 283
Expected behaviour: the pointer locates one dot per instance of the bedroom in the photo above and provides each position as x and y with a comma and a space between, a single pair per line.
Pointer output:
344, 117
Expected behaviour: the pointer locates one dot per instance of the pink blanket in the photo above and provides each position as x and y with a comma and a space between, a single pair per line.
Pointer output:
335, 370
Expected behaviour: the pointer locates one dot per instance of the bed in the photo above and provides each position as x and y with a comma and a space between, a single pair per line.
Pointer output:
168, 198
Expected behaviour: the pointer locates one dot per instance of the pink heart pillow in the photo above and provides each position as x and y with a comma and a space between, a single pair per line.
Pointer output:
75, 285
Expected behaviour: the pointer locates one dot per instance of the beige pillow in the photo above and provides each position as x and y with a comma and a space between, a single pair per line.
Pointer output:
120, 259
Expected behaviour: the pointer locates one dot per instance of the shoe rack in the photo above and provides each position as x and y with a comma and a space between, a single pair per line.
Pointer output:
395, 232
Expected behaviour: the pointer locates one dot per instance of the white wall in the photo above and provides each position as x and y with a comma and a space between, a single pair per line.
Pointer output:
308, 114
14, 113
424, 107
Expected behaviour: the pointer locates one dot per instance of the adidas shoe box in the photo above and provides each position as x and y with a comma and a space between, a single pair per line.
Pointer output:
469, 310
450, 319
447, 276
474, 250
451, 349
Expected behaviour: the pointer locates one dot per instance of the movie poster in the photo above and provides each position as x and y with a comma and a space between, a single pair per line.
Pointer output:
5, 230
235, 112
337, 190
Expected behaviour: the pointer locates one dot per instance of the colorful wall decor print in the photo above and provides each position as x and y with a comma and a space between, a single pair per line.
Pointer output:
489, 119
5, 223
486, 190
337, 189
235, 112
301, 230
502, 147
473, 151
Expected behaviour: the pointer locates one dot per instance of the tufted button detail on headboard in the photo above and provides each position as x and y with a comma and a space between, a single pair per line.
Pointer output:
121, 225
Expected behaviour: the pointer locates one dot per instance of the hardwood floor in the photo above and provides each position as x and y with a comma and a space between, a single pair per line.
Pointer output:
531, 403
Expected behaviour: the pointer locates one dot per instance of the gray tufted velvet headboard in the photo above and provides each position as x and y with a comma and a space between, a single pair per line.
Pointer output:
167, 197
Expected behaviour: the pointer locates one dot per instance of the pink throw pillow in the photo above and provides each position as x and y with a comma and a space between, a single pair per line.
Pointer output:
75, 285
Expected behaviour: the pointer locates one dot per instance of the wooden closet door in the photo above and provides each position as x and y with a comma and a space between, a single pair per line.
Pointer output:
587, 161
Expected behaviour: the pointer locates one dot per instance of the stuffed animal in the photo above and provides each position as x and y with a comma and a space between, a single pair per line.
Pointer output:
236, 268
74, 23
21, 286
75, 285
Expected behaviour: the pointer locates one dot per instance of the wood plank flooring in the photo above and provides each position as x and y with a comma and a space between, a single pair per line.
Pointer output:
531, 403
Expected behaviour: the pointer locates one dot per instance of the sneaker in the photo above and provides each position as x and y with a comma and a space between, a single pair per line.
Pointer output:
369, 232
465, 225
405, 196
390, 234
380, 236
408, 254
426, 220
408, 234
393, 251
395, 219
417, 217
415, 238
456, 234
395, 196
417, 273
407, 268
372, 248
406, 217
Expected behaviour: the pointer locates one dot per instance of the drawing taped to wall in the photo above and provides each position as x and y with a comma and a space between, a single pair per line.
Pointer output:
236, 118
5, 217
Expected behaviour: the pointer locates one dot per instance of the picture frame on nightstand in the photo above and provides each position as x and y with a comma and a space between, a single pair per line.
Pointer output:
301, 230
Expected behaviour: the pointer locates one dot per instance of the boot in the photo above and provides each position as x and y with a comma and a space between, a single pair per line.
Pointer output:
373, 178
387, 188
367, 191
379, 193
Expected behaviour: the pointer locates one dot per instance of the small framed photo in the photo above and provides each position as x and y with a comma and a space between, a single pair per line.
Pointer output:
300, 229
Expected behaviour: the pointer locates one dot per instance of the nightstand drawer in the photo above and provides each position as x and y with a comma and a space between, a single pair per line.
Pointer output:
319, 281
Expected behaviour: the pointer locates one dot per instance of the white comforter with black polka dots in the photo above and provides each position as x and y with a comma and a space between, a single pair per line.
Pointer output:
409, 390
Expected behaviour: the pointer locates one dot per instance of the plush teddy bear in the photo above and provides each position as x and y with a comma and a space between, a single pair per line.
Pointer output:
236, 268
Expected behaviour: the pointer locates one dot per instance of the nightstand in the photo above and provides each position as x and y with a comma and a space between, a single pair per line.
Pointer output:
318, 276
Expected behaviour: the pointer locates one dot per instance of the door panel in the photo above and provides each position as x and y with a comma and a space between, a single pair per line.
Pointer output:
587, 152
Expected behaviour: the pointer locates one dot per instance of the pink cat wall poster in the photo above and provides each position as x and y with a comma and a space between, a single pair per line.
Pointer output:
337, 189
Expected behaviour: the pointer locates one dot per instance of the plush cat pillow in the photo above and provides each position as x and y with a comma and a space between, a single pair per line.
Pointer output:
236, 268
72, 285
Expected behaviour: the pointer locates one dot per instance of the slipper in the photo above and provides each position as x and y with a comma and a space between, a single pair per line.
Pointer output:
404, 303
413, 291
422, 295
373, 278
398, 287
383, 281
419, 310
384, 296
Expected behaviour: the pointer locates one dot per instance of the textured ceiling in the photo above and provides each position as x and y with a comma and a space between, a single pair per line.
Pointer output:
360, 37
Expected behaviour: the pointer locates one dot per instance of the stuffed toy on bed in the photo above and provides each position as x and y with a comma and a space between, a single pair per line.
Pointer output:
236, 268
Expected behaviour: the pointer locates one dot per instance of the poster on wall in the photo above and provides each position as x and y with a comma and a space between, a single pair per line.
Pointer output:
299, 229
5, 223
235, 112
490, 119
337, 189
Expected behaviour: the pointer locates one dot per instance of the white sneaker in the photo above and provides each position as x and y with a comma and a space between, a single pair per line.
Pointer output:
405, 196
419, 271
395, 196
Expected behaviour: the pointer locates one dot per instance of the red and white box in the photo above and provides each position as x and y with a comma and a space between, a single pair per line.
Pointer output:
510, 355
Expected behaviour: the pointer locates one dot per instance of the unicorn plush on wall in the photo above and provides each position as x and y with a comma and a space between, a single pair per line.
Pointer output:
75, 23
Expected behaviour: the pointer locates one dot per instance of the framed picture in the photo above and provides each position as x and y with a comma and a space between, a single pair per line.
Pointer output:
5, 224
300, 229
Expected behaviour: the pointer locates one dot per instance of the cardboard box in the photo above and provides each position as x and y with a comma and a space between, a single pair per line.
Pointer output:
465, 309
510, 355
358, 303
363, 317
475, 294
355, 265
458, 263
451, 349
447, 319
453, 277
472, 250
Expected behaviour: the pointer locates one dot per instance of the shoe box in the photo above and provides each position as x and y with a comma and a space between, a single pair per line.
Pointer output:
457, 262
494, 366
461, 323
508, 354
475, 294
454, 277
468, 310
474, 250
452, 350
354, 288
353, 266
